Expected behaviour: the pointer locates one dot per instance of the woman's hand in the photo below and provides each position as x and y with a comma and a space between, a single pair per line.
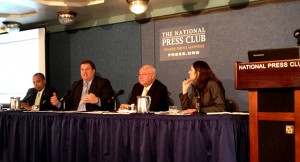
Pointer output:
185, 85
188, 111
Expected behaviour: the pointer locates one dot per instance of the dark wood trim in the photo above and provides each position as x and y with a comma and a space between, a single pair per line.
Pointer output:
253, 125
297, 124
276, 116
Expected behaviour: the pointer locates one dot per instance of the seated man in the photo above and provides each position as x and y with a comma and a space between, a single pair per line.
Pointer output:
39, 96
90, 93
150, 86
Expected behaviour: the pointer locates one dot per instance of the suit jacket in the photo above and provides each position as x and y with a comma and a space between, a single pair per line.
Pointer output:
45, 103
158, 93
101, 87
211, 101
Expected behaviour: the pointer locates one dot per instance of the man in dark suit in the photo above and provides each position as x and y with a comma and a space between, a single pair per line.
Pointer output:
150, 86
91, 93
39, 96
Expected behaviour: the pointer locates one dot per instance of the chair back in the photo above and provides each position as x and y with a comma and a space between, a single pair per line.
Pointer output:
231, 105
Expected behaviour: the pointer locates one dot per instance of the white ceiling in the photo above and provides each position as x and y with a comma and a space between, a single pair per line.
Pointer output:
32, 14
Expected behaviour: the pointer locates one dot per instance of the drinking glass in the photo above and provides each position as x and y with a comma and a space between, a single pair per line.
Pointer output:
173, 110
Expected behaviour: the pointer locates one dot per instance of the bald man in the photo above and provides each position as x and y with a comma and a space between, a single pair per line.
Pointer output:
150, 86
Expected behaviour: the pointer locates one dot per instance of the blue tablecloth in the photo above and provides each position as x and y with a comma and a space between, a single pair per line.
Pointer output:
81, 137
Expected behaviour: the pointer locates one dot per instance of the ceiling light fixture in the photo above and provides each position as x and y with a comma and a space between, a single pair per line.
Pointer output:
66, 17
138, 6
11, 26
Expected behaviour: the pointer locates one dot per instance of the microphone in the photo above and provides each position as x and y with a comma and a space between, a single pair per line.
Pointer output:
198, 103
65, 95
297, 35
120, 92
27, 97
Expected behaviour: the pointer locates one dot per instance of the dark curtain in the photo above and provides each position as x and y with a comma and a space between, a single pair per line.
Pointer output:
83, 137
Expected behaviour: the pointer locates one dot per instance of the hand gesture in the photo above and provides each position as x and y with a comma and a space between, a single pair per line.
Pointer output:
91, 98
54, 100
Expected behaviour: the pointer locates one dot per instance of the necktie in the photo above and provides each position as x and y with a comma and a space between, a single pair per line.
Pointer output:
37, 99
81, 106
145, 91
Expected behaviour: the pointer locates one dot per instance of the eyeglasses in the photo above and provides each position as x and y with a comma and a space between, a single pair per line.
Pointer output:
144, 74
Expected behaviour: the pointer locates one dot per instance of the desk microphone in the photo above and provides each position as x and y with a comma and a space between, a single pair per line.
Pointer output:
65, 95
198, 103
27, 97
120, 92
297, 35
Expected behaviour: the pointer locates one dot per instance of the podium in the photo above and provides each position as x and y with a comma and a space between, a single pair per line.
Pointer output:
274, 108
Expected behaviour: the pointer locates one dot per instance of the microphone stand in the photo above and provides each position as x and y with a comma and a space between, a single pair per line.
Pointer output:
115, 103
198, 103
62, 100
120, 92
63, 105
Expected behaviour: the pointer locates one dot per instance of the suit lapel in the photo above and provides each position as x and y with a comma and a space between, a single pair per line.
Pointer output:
140, 90
44, 94
151, 88
92, 86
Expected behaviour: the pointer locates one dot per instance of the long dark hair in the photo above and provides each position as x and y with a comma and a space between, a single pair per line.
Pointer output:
205, 75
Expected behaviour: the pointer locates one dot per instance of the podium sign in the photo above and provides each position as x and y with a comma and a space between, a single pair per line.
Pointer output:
269, 74
274, 108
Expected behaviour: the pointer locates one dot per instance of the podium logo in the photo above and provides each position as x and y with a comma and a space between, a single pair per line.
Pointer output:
289, 129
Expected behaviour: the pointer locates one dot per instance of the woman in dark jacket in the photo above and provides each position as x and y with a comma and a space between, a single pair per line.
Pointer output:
206, 89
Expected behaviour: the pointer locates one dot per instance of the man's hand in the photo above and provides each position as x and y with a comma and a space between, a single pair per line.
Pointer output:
123, 106
54, 100
91, 98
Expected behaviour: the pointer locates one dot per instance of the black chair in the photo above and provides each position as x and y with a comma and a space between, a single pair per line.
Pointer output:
231, 105
171, 101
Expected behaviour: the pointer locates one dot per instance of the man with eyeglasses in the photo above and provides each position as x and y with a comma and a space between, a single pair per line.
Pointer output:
91, 93
150, 86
